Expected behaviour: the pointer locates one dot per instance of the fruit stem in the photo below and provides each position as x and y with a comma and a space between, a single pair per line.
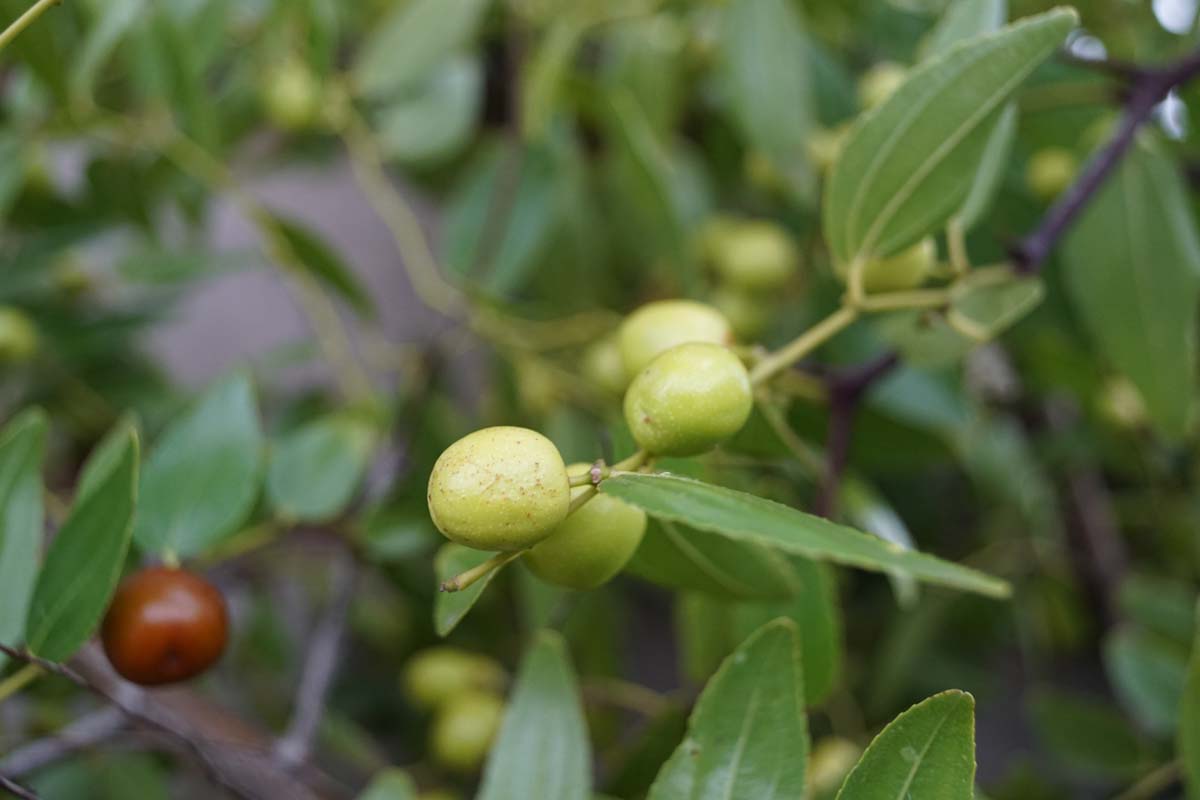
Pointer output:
25, 20
579, 500
466, 579
18, 681
803, 344
635, 461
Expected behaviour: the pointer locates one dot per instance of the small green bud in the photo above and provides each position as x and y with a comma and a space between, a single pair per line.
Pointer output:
657, 327
292, 95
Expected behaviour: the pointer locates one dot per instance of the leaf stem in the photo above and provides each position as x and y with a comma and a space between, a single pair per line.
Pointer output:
18, 681
466, 579
898, 301
25, 20
803, 344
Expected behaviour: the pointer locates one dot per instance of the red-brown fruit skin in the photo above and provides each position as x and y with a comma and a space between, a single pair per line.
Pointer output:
164, 626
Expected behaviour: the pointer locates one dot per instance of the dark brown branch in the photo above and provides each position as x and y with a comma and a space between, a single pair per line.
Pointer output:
1150, 88
16, 789
324, 654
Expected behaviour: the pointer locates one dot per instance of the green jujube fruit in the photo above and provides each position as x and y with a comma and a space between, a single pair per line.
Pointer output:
657, 327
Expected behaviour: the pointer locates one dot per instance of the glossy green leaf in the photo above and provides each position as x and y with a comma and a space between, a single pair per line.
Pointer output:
964, 19
909, 164
22, 448
450, 607
324, 264
85, 560
542, 749
747, 738
435, 119
1148, 674
390, 784
202, 477
744, 517
1189, 719
1133, 273
681, 557
416, 36
315, 469
764, 67
926, 752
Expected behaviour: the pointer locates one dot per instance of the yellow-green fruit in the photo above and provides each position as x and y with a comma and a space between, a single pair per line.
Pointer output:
754, 255
1051, 170
825, 145
18, 336
687, 400
748, 313
591, 545
434, 676
1121, 403
464, 728
880, 82
907, 269
292, 95
831, 760
657, 327
603, 366
499, 488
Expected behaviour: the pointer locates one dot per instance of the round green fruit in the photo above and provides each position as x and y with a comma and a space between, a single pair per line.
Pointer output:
18, 336
433, 676
603, 366
292, 95
880, 82
657, 327
825, 145
688, 399
1050, 171
592, 544
464, 728
748, 313
754, 256
499, 488
905, 270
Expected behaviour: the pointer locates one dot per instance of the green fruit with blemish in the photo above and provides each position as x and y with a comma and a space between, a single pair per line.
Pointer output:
592, 544
657, 327
464, 729
501, 488
688, 400
435, 675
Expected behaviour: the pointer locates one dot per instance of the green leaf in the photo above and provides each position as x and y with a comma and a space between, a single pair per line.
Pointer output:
909, 164
964, 19
324, 264
315, 469
390, 784
202, 478
112, 20
546, 72
748, 736
542, 749
450, 607
996, 156
435, 119
765, 70
1189, 719
85, 560
681, 557
1087, 735
1148, 674
744, 517
926, 752
994, 309
104, 456
406, 45
22, 448
1132, 272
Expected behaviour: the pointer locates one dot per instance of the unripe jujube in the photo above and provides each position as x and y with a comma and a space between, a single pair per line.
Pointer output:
688, 399
603, 366
464, 728
905, 270
1051, 170
753, 255
292, 95
591, 545
748, 313
657, 327
18, 336
500, 488
164, 625
434, 676
880, 82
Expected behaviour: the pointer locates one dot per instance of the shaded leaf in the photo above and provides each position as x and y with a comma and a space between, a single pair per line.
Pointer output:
315, 470
1189, 721
1087, 735
390, 784
1148, 674
964, 19
450, 607
435, 119
22, 448
324, 264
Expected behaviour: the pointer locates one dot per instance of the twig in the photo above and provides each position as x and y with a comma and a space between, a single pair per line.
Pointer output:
16, 789
1153, 783
1149, 89
25, 20
320, 665
84, 733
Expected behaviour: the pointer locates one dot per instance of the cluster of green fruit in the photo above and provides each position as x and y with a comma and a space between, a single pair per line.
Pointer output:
462, 691
752, 261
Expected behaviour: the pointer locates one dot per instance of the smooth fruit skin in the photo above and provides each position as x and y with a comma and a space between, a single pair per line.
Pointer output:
754, 256
500, 488
657, 327
1051, 170
292, 95
433, 676
603, 366
880, 82
18, 336
164, 625
464, 729
687, 400
905, 270
592, 544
